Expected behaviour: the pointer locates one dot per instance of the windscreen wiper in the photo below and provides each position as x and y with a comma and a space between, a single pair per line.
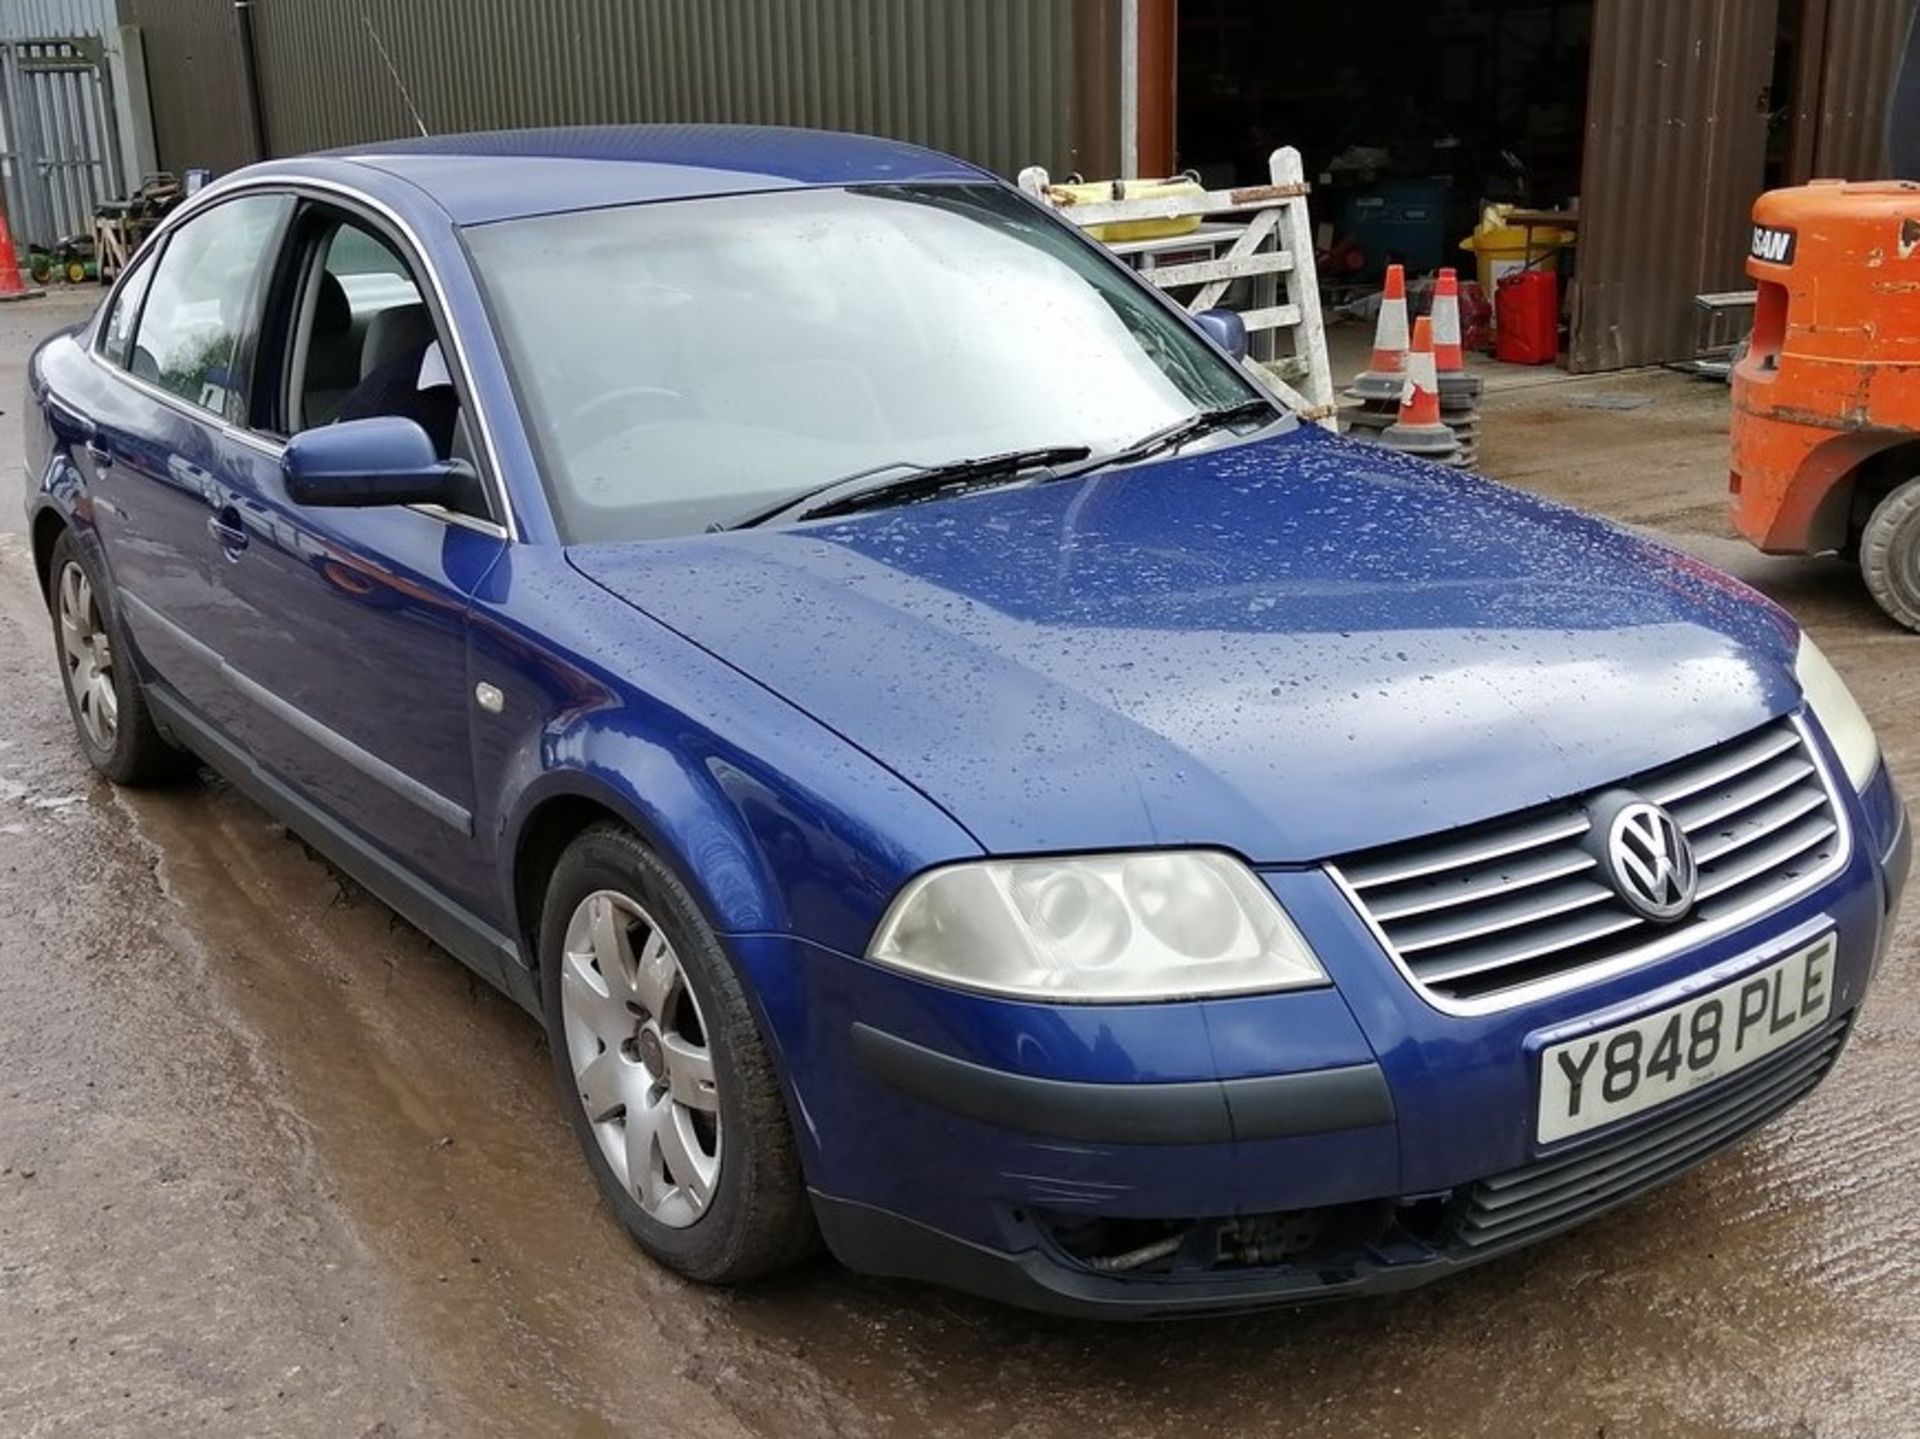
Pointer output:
1177, 434
865, 490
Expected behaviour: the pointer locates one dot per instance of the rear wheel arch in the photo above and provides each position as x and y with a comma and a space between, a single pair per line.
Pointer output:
106, 698
48, 526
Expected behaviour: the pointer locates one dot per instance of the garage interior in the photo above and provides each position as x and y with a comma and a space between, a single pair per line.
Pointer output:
1413, 115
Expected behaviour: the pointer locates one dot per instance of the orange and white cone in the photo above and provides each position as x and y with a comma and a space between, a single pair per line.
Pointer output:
12, 287
1449, 356
1420, 430
1458, 389
1381, 380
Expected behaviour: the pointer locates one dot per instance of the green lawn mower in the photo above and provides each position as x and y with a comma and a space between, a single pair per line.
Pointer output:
72, 260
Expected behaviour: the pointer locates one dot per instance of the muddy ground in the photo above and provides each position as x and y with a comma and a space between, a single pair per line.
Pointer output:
269, 1163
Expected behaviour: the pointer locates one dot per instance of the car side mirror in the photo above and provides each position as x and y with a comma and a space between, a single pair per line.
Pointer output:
385, 460
1226, 329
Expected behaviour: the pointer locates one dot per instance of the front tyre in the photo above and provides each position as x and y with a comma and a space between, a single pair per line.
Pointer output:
1890, 554
110, 716
666, 1083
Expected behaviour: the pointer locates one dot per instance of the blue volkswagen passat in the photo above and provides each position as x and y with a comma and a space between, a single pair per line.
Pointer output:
959, 772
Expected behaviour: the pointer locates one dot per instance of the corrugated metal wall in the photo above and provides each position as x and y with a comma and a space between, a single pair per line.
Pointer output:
193, 74
1675, 153
1863, 43
988, 79
43, 19
58, 134
61, 138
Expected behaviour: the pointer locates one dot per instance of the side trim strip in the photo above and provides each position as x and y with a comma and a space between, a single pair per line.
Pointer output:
331, 740
1274, 1106
472, 940
1207, 1111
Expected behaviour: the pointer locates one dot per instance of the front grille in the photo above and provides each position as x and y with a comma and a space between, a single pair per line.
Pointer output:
1479, 911
1549, 1194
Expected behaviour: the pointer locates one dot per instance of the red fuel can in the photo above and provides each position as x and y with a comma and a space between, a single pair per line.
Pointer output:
1527, 318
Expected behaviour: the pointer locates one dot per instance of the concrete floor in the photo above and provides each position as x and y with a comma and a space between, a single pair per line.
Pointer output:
269, 1163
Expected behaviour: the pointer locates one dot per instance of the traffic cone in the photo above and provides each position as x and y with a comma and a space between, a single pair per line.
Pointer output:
1377, 388
12, 287
1447, 355
1390, 330
1419, 430
1458, 390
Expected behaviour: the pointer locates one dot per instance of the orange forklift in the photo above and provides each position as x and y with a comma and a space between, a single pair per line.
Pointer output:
1826, 401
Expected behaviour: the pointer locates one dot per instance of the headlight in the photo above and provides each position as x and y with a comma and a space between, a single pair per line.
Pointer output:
1839, 713
1160, 925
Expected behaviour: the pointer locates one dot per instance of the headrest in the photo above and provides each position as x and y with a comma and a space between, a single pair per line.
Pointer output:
395, 333
332, 314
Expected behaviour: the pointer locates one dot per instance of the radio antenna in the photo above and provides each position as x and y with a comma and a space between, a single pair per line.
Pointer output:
398, 83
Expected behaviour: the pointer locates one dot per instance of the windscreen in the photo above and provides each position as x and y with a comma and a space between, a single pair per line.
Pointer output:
681, 364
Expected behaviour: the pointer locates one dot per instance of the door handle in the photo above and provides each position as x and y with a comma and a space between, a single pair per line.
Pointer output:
228, 532
100, 453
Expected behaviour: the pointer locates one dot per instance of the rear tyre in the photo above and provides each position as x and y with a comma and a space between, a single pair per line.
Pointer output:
110, 715
1890, 554
665, 1081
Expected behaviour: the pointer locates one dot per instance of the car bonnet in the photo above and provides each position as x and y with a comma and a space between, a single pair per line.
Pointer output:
1293, 648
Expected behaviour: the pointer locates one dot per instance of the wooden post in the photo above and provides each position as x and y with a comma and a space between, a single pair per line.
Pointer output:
1303, 288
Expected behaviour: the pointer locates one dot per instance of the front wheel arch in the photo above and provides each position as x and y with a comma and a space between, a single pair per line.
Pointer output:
759, 1219
568, 803
544, 837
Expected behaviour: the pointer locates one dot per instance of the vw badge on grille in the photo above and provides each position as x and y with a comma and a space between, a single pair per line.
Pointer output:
1649, 859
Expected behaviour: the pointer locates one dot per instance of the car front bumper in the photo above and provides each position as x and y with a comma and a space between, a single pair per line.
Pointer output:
1380, 1248
1268, 1150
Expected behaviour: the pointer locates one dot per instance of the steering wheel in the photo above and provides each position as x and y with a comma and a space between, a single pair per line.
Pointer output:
610, 411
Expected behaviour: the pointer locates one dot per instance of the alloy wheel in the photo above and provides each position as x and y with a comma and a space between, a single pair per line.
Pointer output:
641, 1063
88, 652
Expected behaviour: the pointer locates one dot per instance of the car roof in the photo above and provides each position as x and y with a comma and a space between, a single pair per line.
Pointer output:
508, 174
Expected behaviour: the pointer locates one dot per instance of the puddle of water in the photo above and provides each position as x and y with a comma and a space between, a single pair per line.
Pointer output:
1772, 1289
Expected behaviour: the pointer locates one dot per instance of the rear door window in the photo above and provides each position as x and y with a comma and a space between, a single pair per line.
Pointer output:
116, 333
193, 334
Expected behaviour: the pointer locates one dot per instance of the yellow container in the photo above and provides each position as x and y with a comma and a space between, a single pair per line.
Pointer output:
1101, 191
1500, 247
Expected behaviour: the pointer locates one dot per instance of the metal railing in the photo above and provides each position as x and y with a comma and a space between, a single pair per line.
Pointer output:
1253, 244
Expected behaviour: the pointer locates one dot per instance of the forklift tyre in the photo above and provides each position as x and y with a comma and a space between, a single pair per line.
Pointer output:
1890, 554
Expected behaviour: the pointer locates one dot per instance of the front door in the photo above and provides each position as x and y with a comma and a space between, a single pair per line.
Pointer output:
349, 625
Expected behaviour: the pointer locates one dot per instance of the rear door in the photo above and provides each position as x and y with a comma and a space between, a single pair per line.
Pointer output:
167, 404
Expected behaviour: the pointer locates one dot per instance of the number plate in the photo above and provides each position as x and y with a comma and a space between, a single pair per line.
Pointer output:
1616, 1072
